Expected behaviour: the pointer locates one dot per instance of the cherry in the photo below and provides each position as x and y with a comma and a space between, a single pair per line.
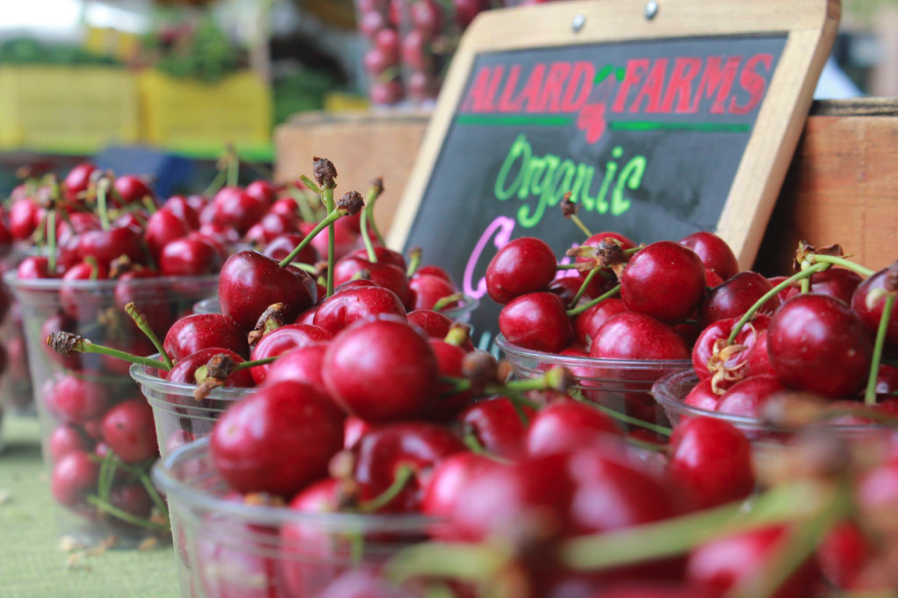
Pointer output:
277, 440
224, 234
129, 430
286, 206
702, 396
748, 397
712, 461
129, 190
233, 560
345, 238
783, 294
536, 321
262, 190
281, 246
384, 274
723, 563
427, 18
467, 10
356, 303
282, 340
596, 240
107, 246
712, 280
249, 283
449, 363
434, 324
664, 280
134, 220
186, 368
427, 290
202, 331
843, 554
235, 208
416, 445
714, 253
634, 336
381, 370
376, 62
181, 207
190, 256
707, 341
152, 300
73, 478
77, 181
449, 482
567, 288
371, 23
757, 361
835, 282
870, 317
162, 228
385, 94
34, 267
588, 322
735, 296
567, 425
270, 226
497, 426
818, 344
78, 302
354, 429
521, 266
5, 236
66, 438
132, 499
413, 50
24, 218
76, 400
388, 42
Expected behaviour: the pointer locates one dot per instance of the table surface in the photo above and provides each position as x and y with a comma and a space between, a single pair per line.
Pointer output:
32, 564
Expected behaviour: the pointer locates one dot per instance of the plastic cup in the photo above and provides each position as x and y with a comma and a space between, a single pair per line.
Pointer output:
75, 394
228, 548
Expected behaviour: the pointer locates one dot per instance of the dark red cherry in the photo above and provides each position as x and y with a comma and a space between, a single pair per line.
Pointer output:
434, 324
24, 218
434, 271
521, 266
467, 10
597, 238
66, 438
345, 238
714, 253
151, 299
130, 189
536, 321
449, 482
381, 370
190, 256
224, 234
567, 288
73, 478
249, 283
264, 191
427, 18
708, 340
449, 363
664, 280
381, 452
78, 302
735, 296
386, 275
843, 554
135, 219
749, 396
132, 498
34, 267
77, 181
302, 365
712, 280
162, 228
270, 226
712, 461
180, 207
415, 56
282, 340
202, 331
384, 255
634, 336
783, 294
497, 426
870, 317
235, 208
835, 282
106, 246
286, 206
818, 344
588, 322
354, 304
702, 396
757, 360
76, 400
355, 428
567, 425
281, 246
277, 440
129, 431
186, 368
427, 290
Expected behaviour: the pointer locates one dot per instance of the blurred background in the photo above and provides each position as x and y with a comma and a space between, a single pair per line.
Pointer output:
174, 81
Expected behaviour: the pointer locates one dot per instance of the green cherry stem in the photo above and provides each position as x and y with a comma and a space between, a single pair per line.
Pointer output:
154, 495
656, 428
580, 225
414, 262
233, 168
474, 445
401, 478
368, 218
123, 515
328, 198
302, 203
610, 293
871, 390
571, 266
326, 222
149, 204
799, 276
366, 238
252, 363
805, 284
102, 188
65, 343
216, 184
141, 321
838, 261
580, 292
444, 302
51, 240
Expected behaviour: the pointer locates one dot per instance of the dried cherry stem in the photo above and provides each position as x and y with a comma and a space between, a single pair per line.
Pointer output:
401, 478
799, 276
110, 509
445, 302
838, 261
580, 292
141, 321
103, 212
414, 261
871, 390
334, 214
51, 240
656, 428
610, 293
65, 343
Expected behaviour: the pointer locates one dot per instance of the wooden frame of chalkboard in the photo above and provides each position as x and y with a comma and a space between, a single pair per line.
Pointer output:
808, 26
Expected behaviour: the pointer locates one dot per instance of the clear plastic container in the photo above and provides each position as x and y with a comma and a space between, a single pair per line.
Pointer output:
180, 418
75, 394
228, 548
16, 394
461, 313
620, 385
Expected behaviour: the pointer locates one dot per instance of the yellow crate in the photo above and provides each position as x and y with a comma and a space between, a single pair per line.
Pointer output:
67, 109
195, 117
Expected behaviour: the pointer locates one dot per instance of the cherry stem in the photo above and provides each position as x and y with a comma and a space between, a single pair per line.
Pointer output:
871, 390
477, 563
801, 275
51, 240
474, 445
804, 285
106, 476
366, 238
85, 346
401, 478
102, 186
580, 292
305, 267
95, 268
444, 302
414, 262
107, 507
149, 204
252, 363
656, 428
838, 261
368, 218
154, 494
141, 321
302, 203
328, 197
580, 224
216, 184
325, 222
233, 168
566, 266
583, 308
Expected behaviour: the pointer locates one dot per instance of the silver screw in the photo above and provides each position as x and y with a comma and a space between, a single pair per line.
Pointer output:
652, 9
577, 23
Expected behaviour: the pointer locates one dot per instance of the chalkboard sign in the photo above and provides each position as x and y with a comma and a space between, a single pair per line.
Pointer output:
655, 138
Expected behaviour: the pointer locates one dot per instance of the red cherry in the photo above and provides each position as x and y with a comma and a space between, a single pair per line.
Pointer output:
783, 294
588, 322
870, 317
838, 283
134, 220
345, 238
277, 440
376, 62
702, 396
286, 207
381, 452
24, 218
129, 430
521, 266
249, 283
129, 190
264, 191
712, 461
381, 370
162, 228
220, 232
748, 397
597, 238
270, 226
181, 207
282, 340
712, 280
34, 267
449, 363
188, 257
66, 438
354, 304
664, 280
60, 322
203, 331
354, 429
414, 52
427, 290
467, 10
721, 330
387, 41
77, 181
386, 275
152, 300
132, 498
421, 86
536, 321
281, 246
567, 287
106, 246
634, 336
78, 302
818, 344
434, 324
714, 253
76, 400
234, 207
371, 23
427, 18
735, 296
843, 554
186, 368
567, 425
73, 478
386, 94
497, 426
384, 255
757, 361
449, 482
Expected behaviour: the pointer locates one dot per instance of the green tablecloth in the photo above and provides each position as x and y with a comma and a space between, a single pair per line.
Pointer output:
31, 561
